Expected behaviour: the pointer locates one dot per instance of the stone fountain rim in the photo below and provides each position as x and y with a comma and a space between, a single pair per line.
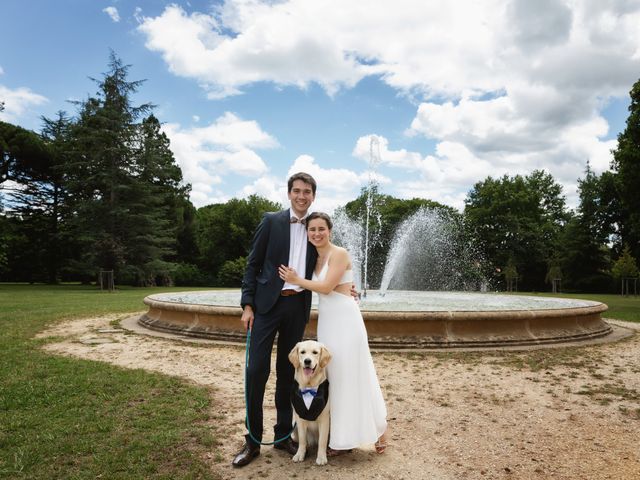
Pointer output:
595, 307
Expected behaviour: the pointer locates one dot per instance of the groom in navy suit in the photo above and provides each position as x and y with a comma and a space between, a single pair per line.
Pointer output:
270, 306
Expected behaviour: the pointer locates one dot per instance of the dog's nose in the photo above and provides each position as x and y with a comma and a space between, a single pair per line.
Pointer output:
307, 361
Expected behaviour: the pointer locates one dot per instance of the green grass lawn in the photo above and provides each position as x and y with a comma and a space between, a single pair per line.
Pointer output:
77, 419
620, 308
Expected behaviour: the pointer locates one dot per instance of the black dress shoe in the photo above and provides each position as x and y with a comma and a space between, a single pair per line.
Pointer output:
287, 445
246, 455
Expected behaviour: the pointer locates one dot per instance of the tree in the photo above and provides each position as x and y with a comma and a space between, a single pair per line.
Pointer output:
511, 275
99, 191
125, 185
518, 218
585, 257
155, 208
225, 230
626, 164
625, 269
4, 244
187, 246
22, 152
31, 163
626, 265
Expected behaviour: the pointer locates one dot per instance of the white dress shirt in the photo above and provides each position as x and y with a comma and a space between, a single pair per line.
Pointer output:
297, 250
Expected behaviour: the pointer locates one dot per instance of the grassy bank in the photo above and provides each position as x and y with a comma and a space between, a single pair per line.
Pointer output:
620, 308
76, 419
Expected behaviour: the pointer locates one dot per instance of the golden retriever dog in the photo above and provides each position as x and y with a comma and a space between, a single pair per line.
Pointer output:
310, 398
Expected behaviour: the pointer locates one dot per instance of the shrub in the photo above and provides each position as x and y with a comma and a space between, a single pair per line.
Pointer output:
231, 272
188, 275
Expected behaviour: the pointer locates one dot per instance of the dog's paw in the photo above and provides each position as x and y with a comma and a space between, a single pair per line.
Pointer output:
299, 456
321, 460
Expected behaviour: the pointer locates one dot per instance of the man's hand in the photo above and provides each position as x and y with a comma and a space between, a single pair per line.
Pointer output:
247, 317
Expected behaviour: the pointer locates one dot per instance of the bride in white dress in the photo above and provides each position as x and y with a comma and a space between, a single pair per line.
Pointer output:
358, 411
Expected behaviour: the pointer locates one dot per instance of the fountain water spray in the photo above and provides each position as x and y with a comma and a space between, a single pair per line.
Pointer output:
374, 161
430, 252
348, 233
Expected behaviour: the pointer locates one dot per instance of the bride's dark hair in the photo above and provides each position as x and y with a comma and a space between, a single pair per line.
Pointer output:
323, 216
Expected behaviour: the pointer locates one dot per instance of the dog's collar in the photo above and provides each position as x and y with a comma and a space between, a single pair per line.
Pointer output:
316, 407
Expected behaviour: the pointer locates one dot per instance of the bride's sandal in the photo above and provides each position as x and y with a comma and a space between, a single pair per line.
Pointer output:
381, 446
336, 453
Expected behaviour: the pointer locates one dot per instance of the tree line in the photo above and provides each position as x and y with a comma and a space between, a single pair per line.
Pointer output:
102, 191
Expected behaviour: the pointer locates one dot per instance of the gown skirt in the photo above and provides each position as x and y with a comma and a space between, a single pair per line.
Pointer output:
358, 411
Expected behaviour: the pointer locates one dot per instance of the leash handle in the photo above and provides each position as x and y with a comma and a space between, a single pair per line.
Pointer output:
246, 399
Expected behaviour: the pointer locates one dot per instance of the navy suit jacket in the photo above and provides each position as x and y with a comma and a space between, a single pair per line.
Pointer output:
261, 284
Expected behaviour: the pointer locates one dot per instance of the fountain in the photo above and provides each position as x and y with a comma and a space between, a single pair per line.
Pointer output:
424, 252
415, 307
403, 319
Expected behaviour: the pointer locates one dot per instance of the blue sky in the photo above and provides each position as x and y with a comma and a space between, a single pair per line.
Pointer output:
251, 91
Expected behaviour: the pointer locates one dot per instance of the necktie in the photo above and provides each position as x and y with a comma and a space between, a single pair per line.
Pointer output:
303, 221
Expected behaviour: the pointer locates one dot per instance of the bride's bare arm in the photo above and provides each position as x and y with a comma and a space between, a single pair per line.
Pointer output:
337, 266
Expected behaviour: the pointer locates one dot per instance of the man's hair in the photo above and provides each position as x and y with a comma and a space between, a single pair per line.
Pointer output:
321, 215
305, 177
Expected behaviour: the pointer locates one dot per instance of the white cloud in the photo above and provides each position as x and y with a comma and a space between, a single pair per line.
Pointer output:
18, 102
501, 87
515, 134
443, 177
336, 186
225, 147
269, 187
274, 43
113, 13
438, 48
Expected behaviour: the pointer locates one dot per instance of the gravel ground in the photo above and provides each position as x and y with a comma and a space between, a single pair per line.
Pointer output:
562, 413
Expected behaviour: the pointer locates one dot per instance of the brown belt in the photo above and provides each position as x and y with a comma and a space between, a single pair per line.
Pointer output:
287, 292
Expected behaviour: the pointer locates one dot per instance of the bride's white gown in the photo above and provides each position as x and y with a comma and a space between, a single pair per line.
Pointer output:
358, 411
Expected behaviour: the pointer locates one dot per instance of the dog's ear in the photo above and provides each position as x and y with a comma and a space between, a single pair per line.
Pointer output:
293, 356
325, 356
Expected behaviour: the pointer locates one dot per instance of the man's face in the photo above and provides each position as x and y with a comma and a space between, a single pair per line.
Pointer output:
301, 197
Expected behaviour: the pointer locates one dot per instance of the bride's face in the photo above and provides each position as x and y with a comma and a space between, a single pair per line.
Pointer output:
318, 232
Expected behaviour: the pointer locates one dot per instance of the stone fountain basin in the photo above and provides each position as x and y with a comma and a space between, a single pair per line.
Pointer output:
403, 319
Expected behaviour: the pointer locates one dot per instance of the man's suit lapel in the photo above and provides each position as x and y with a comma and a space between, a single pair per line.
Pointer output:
312, 256
286, 234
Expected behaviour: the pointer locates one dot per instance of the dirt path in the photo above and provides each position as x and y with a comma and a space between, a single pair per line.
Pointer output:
562, 413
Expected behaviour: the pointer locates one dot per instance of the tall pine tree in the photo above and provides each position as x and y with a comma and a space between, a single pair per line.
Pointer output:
125, 184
